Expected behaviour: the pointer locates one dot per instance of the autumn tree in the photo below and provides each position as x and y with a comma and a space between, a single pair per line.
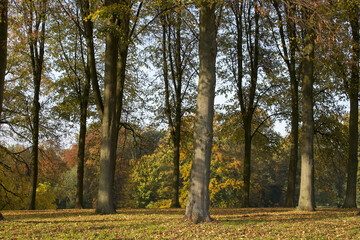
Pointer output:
71, 57
250, 66
287, 29
306, 199
177, 53
3, 53
197, 206
35, 19
86, 10
119, 32
3, 48
353, 92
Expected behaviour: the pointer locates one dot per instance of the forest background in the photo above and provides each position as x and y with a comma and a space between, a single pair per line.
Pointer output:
55, 88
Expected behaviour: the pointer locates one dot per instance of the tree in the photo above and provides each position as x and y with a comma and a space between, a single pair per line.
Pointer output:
88, 31
76, 78
105, 203
177, 52
197, 206
289, 56
3, 48
35, 18
307, 153
118, 36
247, 96
353, 92
3, 53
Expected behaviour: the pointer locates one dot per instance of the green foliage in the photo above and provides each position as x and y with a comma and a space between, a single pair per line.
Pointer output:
45, 197
66, 189
152, 177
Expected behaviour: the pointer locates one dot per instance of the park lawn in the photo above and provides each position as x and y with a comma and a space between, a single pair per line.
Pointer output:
255, 223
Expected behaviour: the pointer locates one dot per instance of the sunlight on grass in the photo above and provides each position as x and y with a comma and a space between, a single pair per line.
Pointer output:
168, 224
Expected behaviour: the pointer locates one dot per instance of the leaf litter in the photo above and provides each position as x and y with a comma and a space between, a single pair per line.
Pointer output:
254, 223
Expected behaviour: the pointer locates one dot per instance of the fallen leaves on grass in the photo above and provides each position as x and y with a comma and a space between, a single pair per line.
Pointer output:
275, 223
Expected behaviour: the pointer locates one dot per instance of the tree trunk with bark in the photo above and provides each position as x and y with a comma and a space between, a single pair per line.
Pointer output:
352, 166
105, 202
91, 61
247, 103
247, 163
3, 48
115, 72
36, 40
79, 202
197, 206
294, 134
3, 54
177, 77
307, 154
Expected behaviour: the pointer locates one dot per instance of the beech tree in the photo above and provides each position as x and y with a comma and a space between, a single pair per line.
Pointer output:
74, 85
306, 199
3, 53
88, 31
118, 37
353, 92
35, 20
197, 206
177, 51
247, 103
285, 11
105, 203
3, 48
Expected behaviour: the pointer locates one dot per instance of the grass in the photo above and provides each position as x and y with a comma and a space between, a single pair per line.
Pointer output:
259, 223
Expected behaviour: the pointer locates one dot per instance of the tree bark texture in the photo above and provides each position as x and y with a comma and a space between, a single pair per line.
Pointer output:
36, 40
294, 134
174, 120
197, 206
89, 36
247, 103
247, 163
117, 44
105, 202
79, 202
177, 128
3, 54
307, 153
3, 48
352, 166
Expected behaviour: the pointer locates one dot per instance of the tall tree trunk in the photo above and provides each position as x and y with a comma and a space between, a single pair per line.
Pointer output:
174, 124
115, 72
35, 141
248, 107
89, 36
105, 202
294, 135
81, 152
36, 39
3, 54
307, 155
247, 162
3, 48
176, 168
124, 25
197, 206
352, 166
176, 133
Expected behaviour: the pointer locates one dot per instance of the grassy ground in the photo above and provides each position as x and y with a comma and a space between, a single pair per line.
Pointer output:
265, 223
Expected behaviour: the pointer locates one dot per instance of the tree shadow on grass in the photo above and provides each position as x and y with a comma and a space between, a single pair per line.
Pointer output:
281, 215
